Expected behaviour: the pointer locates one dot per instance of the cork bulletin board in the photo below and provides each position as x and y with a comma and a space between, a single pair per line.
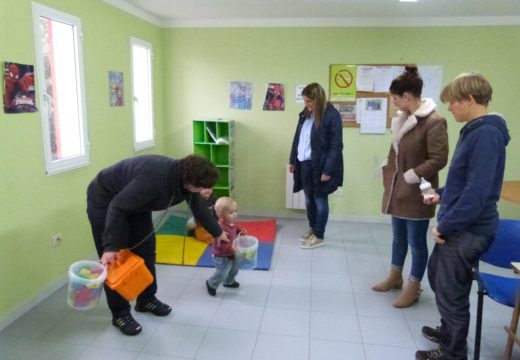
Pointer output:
351, 86
345, 90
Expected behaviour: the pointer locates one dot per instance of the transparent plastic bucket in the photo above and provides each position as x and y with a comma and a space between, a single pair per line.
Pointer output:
246, 249
85, 284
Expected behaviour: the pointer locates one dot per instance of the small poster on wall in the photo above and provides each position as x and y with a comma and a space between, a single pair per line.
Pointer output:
19, 94
240, 95
299, 96
274, 98
116, 86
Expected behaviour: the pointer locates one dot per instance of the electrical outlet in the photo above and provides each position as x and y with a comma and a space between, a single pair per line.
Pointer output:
57, 239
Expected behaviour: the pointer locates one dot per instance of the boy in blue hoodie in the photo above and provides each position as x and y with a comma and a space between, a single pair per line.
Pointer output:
468, 216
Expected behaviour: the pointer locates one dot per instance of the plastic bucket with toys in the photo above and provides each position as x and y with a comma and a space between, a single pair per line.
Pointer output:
246, 248
85, 283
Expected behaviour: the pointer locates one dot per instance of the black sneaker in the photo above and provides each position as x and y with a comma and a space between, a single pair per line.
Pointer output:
127, 325
431, 334
211, 291
437, 354
155, 307
233, 285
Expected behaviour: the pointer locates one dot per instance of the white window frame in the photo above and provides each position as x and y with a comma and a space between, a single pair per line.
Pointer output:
147, 118
82, 159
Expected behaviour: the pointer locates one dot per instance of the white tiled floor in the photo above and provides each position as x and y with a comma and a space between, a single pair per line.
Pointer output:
312, 304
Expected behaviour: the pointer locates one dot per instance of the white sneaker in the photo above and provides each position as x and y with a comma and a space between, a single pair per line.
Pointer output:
305, 236
312, 242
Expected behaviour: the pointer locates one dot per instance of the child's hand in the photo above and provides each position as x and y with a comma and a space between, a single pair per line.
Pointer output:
223, 237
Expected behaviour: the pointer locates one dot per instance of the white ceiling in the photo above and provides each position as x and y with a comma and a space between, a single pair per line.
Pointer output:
178, 13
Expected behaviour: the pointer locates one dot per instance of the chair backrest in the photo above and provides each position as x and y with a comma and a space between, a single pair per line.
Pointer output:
505, 248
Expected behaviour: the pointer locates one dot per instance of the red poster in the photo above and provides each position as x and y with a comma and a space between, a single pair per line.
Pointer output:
19, 95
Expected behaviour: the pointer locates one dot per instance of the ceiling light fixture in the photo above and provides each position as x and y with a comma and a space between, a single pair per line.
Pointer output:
407, 0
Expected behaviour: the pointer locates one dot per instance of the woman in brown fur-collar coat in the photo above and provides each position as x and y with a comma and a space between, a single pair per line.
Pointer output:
419, 149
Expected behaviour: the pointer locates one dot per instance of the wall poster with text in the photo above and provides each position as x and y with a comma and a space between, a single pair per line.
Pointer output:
19, 94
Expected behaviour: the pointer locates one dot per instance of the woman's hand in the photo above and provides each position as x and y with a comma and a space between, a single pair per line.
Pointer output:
325, 177
432, 200
109, 257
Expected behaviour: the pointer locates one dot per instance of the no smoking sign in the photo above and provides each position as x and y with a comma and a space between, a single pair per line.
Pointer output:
344, 79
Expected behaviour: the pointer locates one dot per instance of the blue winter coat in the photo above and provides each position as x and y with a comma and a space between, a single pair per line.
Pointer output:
326, 152
474, 182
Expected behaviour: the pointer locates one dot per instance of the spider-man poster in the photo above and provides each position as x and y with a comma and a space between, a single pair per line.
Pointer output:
274, 98
19, 88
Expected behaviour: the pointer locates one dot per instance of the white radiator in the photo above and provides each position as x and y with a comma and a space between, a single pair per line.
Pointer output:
293, 200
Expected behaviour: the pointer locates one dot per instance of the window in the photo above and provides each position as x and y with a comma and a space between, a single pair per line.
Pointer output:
144, 134
62, 95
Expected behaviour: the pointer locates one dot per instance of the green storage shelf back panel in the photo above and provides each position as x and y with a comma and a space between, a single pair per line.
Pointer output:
199, 132
220, 154
202, 150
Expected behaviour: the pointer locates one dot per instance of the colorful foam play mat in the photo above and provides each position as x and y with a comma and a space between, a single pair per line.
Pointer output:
175, 246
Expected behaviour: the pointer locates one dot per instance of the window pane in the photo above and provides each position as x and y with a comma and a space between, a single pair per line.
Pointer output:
142, 92
61, 95
60, 84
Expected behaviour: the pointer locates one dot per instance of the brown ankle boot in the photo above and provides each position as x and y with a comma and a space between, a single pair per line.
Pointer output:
394, 280
409, 295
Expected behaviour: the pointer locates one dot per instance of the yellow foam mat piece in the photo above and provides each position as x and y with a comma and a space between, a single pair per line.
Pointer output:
170, 249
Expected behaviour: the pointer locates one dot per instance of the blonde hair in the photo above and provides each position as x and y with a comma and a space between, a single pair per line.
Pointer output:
468, 84
223, 204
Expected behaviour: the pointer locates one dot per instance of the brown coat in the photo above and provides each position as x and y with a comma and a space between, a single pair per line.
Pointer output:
420, 146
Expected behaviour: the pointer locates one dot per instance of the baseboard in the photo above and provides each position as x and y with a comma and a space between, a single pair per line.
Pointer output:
290, 214
158, 217
19, 311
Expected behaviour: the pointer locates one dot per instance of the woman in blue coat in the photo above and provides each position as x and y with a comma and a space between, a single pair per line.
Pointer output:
316, 160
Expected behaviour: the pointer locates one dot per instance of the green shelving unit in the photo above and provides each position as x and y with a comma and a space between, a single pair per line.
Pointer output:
213, 139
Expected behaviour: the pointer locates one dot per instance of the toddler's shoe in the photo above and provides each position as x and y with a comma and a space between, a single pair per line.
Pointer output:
155, 307
234, 285
211, 291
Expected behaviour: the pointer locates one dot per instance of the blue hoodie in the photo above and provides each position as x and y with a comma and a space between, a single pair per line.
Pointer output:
468, 200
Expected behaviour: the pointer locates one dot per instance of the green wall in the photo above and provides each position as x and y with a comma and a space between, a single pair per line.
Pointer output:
35, 206
192, 71
202, 62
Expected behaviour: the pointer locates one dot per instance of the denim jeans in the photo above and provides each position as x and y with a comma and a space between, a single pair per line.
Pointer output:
450, 272
317, 204
413, 233
226, 269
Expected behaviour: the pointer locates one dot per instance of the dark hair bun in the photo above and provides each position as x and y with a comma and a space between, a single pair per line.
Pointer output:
411, 70
409, 81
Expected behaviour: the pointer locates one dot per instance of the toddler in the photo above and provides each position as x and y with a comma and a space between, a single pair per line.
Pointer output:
226, 266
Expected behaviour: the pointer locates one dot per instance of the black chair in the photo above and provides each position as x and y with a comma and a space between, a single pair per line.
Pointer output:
502, 289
